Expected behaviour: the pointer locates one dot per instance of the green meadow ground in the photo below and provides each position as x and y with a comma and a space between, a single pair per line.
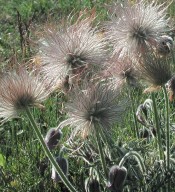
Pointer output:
23, 164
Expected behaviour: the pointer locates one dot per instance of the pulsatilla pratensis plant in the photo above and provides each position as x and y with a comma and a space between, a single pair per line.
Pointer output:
171, 88
52, 138
93, 105
19, 90
155, 70
117, 176
134, 28
123, 70
92, 185
94, 108
63, 163
165, 45
72, 51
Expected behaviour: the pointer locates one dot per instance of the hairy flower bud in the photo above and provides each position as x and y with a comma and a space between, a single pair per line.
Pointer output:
117, 176
93, 185
171, 88
63, 163
52, 137
165, 45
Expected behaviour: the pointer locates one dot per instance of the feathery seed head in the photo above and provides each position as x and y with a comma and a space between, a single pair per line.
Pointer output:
155, 70
137, 27
19, 90
72, 50
93, 105
123, 69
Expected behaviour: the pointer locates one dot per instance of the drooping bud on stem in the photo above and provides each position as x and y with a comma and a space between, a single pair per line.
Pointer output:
52, 137
63, 163
117, 176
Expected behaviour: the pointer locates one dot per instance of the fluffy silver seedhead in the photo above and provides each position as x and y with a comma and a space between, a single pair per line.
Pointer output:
72, 50
136, 27
155, 70
19, 90
93, 105
122, 69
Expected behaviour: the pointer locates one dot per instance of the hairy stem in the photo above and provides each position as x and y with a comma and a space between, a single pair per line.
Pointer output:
138, 158
157, 126
167, 132
136, 130
49, 154
140, 163
167, 128
102, 157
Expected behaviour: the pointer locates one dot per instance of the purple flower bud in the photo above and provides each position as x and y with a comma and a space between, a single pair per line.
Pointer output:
93, 185
52, 138
117, 176
165, 45
63, 163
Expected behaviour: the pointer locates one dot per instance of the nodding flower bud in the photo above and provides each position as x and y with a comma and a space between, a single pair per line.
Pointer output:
52, 138
93, 185
171, 88
117, 176
165, 45
63, 163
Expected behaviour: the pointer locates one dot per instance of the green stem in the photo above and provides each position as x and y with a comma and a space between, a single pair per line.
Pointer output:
157, 125
101, 151
140, 163
49, 154
167, 129
167, 133
138, 158
136, 130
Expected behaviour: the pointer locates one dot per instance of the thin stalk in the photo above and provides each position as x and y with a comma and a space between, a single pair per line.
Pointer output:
167, 128
97, 133
140, 163
138, 158
167, 133
48, 153
136, 130
157, 125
